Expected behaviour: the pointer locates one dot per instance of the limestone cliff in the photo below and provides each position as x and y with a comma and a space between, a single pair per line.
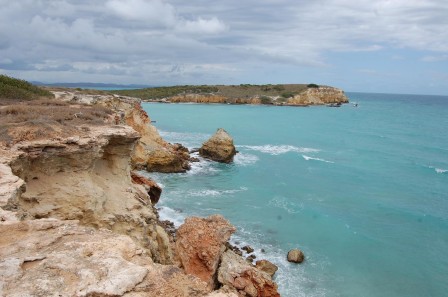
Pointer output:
318, 96
308, 96
151, 152
76, 221
85, 178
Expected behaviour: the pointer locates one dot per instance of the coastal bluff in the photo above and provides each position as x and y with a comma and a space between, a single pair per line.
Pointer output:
282, 95
78, 216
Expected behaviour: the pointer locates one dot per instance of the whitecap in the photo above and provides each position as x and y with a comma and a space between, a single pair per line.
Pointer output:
438, 170
243, 159
307, 158
291, 281
202, 167
278, 149
175, 216
441, 171
211, 192
189, 140
285, 204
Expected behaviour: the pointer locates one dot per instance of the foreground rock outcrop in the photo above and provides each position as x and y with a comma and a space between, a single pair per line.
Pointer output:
237, 273
200, 244
219, 147
49, 257
76, 220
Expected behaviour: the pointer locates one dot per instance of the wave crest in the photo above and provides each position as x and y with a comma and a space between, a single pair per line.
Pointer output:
278, 149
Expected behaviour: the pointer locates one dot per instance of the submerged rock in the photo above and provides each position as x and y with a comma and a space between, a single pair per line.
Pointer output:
219, 147
200, 244
296, 256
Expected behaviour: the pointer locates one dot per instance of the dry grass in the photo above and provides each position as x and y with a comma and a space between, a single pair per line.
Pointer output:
46, 118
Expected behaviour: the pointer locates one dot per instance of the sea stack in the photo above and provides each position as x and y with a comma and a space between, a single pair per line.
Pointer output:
295, 256
219, 147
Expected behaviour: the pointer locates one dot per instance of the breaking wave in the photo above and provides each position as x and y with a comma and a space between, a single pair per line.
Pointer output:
307, 158
278, 149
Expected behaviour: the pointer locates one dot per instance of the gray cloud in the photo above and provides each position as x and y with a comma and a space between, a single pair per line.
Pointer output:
143, 40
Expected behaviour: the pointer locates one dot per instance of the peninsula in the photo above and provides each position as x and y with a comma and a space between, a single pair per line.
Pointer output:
281, 94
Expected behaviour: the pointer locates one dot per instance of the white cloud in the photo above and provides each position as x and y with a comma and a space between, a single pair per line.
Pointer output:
148, 11
201, 25
144, 39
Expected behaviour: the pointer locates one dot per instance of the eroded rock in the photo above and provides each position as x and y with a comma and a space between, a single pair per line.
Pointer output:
246, 279
200, 244
50, 257
219, 147
266, 266
152, 188
295, 256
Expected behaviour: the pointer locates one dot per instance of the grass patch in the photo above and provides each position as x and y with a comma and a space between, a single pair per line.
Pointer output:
44, 118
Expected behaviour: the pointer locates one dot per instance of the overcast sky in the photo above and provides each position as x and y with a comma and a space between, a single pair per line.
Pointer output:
398, 46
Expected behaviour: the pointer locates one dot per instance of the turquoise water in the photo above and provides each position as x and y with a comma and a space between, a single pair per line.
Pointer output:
362, 191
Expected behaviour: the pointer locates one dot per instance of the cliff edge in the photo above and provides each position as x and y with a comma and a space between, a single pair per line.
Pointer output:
76, 221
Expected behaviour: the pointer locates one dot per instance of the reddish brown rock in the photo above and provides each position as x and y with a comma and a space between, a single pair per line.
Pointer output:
200, 244
152, 188
246, 279
296, 256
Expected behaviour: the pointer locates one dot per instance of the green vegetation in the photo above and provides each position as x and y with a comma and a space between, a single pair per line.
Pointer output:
12, 88
233, 92
287, 94
265, 100
313, 86
163, 92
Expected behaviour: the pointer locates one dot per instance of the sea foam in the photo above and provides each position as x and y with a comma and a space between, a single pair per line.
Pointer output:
278, 149
316, 159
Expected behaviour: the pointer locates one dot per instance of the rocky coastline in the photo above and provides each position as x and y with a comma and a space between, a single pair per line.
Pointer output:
77, 219
278, 95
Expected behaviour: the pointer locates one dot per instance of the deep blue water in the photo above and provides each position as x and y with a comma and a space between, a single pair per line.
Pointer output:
363, 191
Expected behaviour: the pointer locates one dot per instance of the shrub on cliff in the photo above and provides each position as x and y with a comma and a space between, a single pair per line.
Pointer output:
313, 86
265, 100
12, 88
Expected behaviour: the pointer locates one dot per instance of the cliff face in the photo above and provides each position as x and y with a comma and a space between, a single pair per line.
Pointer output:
319, 96
76, 221
151, 152
308, 96
85, 178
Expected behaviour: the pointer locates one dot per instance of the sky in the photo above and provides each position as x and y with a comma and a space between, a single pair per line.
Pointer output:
382, 46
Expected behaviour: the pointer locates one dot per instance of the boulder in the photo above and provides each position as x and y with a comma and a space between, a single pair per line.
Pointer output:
296, 256
200, 243
235, 272
248, 249
266, 266
219, 147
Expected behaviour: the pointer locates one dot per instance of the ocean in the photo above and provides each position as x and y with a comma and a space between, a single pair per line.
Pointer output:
363, 191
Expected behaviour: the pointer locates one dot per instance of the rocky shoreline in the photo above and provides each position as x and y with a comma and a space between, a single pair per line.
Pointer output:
76, 219
278, 95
